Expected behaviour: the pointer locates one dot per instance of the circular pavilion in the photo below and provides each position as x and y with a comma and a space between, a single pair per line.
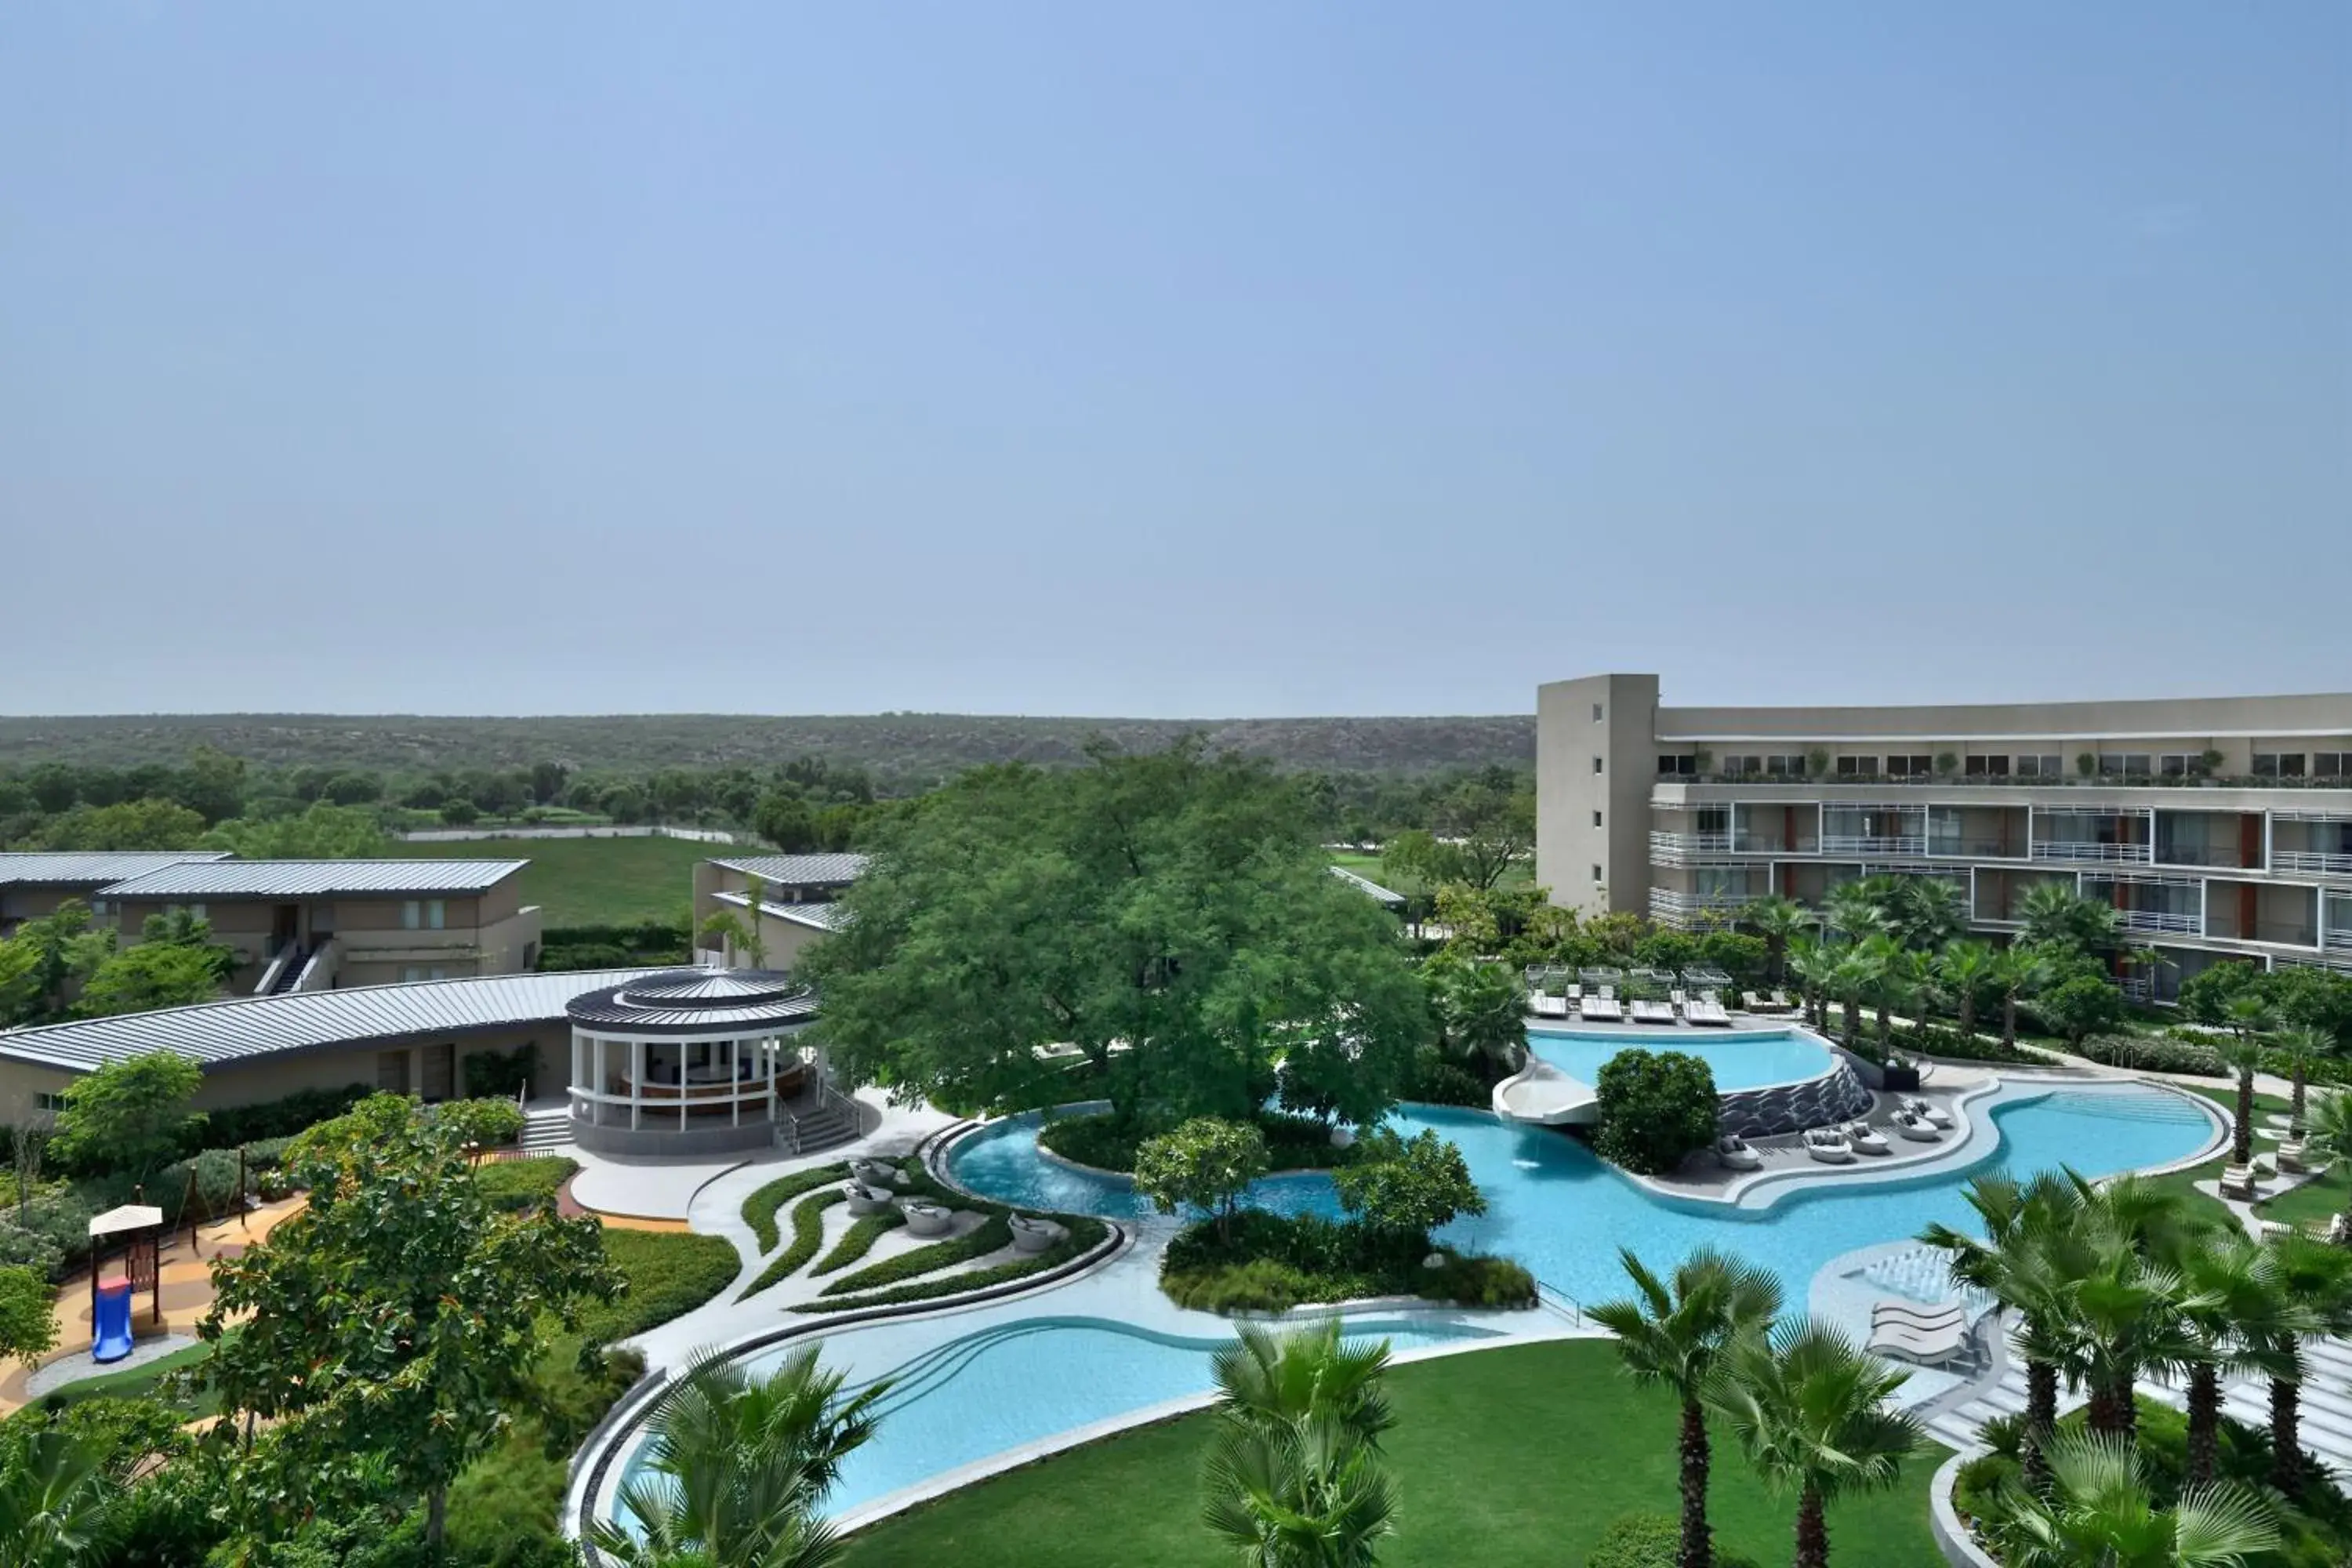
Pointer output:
691, 1061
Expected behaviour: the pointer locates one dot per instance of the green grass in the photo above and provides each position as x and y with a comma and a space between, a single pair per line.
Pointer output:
1516, 1458
2315, 1202
139, 1383
523, 1184
2184, 1181
670, 1273
590, 881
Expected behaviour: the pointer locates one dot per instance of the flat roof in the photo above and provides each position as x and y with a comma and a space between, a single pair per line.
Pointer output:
315, 878
819, 916
1367, 886
254, 1028
799, 870
94, 868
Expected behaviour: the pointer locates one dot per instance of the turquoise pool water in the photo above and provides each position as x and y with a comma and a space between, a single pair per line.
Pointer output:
1019, 1382
1745, 1058
1554, 1205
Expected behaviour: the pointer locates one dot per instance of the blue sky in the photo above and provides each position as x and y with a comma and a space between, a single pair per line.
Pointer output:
1181, 361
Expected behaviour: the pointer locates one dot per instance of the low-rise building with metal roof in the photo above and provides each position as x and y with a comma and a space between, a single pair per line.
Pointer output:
796, 906
34, 883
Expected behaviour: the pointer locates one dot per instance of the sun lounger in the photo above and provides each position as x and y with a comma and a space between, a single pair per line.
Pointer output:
1829, 1145
1601, 1010
1928, 1347
1549, 1006
1753, 1002
1866, 1138
1780, 1003
1927, 1110
2292, 1155
1652, 1012
2238, 1182
1707, 1009
1918, 1320
1732, 1152
1916, 1128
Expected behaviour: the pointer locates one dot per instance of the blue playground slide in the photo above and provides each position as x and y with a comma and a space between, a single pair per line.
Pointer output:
110, 1326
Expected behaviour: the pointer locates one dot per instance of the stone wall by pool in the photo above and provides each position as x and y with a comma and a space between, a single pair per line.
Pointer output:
1838, 1096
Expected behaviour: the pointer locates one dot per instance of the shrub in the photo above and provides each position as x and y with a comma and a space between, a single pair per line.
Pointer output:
1439, 1082
1260, 1285
808, 1234
1650, 1540
2154, 1053
859, 1239
2081, 1006
1655, 1107
1938, 1040
1410, 1187
760, 1209
1316, 1259
1084, 1235
1474, 1279
991, 1234
1104, 1141
1205, 1163
487, 1123
524, 1183
279, 1118
669, 1273
500, 1074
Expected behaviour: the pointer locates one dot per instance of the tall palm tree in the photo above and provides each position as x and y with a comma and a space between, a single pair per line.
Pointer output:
1965, 968
1673, 1332
2302, 1046
2240, 1316
55, 1498
1296, 1478
1855, 972
2101, 1514
1484, 1009
2243, 1056
1884, 954
2016, 1262
739, 1466
1928, 911
2317, 1278
1812, 963
2128, 1298
1856, 909
1809, 1407
1779, 922
2017, 972
2058, 919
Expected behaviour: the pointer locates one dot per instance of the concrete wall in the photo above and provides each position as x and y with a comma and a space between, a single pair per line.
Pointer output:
1569, 791
21, 1086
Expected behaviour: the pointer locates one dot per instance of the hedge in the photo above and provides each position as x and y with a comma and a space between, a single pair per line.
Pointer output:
760, 1209
991, 1235
808, 1234
859, 1239
670, 1273
232, 1125
524, 1183
1085, 1234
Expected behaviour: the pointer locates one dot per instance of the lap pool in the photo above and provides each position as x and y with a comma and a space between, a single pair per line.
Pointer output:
1745, 1058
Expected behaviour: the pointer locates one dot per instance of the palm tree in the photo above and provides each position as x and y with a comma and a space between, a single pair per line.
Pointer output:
1928, 911
2101, 1514
2330, 1133
2060, 919
1855, 972
1965, 968
2016, 1263
2243, 1056
2127, 1296
56, 1496
1809, 1407
1673, 1332
1296, 1480
2302, 1046
1884, 955
1812, 963
1857, 908
1779, 922
2240, 1316
739, 1468
2017, 972
1484, 1010
2317, 1279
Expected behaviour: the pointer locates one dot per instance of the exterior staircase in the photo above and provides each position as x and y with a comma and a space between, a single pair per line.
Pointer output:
833, 1120
545, 1129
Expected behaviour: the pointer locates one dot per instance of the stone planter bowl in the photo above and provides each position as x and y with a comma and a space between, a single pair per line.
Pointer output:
1034, 1235
866, 1200
875, 1174
927, 1218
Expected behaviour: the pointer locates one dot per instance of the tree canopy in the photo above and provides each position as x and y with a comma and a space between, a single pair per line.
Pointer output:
1168, 917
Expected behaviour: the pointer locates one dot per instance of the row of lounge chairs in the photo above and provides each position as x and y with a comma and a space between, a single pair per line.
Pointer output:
1931, 1336
1602, 1006
1778, 1002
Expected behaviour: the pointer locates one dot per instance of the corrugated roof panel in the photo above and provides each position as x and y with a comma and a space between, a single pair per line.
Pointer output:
93, 868
315, 878
799, 870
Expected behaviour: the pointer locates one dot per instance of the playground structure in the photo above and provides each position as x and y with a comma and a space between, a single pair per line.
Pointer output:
125, 1258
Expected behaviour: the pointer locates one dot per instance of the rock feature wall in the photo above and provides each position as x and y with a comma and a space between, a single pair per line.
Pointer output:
1838, 1096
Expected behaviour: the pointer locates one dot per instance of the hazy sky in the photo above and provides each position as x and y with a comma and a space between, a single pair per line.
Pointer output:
1169, 360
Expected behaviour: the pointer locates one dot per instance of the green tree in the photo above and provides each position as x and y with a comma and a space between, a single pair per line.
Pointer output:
129, 1115
2060, 921
1296, 1477
324, 832
2081, 1005
2317, 1281
126, 824
55, 1499
1483, 1011
738, 1467
740, 928
461, 813
1174, 906
1965, 969
2240, 1316
1925, 912
2101, 1513
1408, 1187
1203, 1163
1673, 1332
2017, 973
151, 975
2330, 1135
782, 818
390, 1327
2303, 1047
28, 1329
1655, 1107
1857, 908
1488, 822
45, 958
1779, 922
1809, 1407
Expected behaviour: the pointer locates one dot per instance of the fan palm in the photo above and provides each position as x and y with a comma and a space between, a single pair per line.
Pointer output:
2101, 1514
1673, 1332
1965, 968
1779, 922
1884, 954
2127, 1296
1928, 911
1812, 963
2017, 972
2317, 1280
1809, 1407
737, 1466
2330, 1133
2302, 1046
1484, 1010
2243, 1056
2061, 920
2016, 1263
1296, 1478
2241, 1317
55, 1497
1858, 909
1852, 976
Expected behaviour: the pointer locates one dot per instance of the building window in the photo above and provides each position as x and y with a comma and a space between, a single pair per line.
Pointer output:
1677, 764
2039, 766
1597, 711
44, 1100
1596, 819
1597, 878
2125, 765
2176, 765
1986, 768
1912, 766
2278, 765
1857, 767
2331, 764
1596, 764
1743, 764
1785, 766
427, 914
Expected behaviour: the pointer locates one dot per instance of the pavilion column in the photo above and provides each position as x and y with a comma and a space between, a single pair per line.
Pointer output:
735, 1082
637, 1084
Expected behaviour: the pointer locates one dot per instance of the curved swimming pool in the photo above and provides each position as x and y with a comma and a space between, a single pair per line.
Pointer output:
1739, 1058
1559, 1208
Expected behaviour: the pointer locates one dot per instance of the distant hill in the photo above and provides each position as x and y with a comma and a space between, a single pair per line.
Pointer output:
909, 748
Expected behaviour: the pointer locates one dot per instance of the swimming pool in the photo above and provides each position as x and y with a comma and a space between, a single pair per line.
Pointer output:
1019, 1382
1556, 1206
1747, 1058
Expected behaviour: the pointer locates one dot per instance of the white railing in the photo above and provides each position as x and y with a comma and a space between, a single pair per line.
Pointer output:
1670, 907
2339, 936
1854, 844
1944, 847
2082, 849
1671, 848
2161, 921
2311, 860
1757, 844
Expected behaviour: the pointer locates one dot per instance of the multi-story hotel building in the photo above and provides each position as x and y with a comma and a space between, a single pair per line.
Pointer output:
2216, 828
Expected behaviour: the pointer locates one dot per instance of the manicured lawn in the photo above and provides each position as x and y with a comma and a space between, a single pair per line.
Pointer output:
1516, 1458
592, 881
2227, 1099
2314, 1202
139, 1383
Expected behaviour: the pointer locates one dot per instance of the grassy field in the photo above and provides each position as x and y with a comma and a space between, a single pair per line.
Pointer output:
1516, 1458
592, 881
1520, 874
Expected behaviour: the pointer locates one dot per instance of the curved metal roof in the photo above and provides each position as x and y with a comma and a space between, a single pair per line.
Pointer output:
719, 1002
254, 1028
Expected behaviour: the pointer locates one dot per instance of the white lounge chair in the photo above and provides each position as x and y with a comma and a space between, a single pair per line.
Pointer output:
1780, 1003
1866, 1138
2293, 1154
1753, 1002
1652, 1012
1928, 1111
1915, 1318
1829, 1145
1928, 1347
877, 1173
1918, 1129
1034, 1235
1732, 1152
2238, 1182
1549, 1006
1603, 1008
1709, 1009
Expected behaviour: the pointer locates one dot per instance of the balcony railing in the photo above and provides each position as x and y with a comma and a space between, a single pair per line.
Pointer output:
2229, 858
2165, 921
1675, 848
2340, 937
1973, 849
1670, 907
1859, 844
1757, 844
2082, 849
2311, 861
